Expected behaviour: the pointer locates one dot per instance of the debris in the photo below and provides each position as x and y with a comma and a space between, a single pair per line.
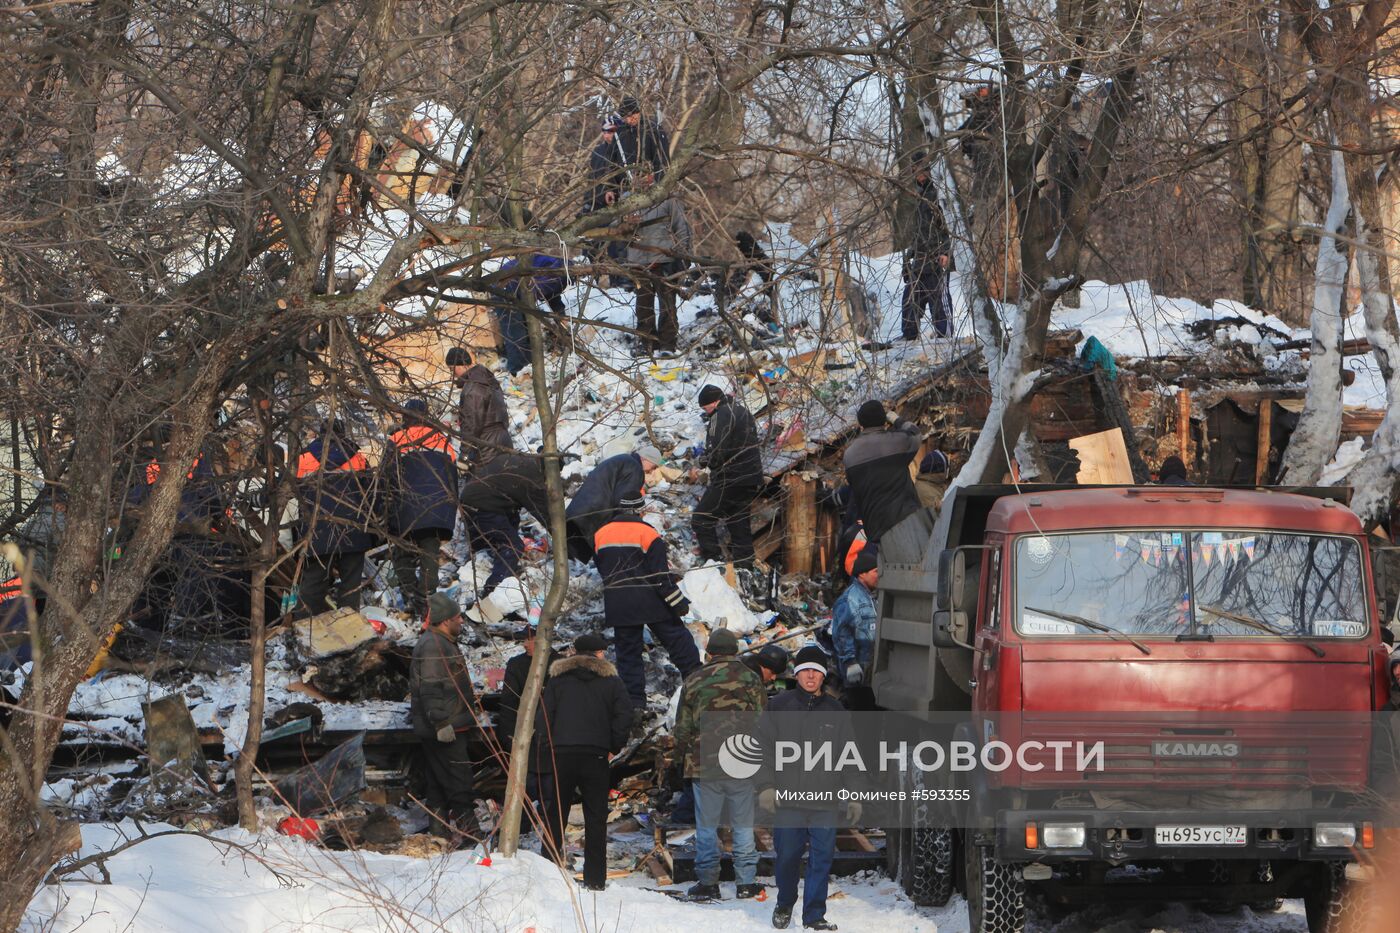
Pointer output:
335, 778
172, 743
331, 633
1103, 458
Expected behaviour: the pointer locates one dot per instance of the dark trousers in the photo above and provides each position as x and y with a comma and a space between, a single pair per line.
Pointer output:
630, 643
926, 287
657, 331
347, 567
804, 830
515, 336
447, 785
732, 507
499, 533
581, 774
416, 567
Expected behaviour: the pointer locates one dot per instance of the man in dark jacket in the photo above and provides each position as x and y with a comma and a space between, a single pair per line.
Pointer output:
607, 167
616, 484
544, 281
805, 714
336, 503
492, 498
584, 718
640, 589
539, 784
420, 492
657, 255
441, 706
877, 467
641, 140
482, 417
736, 474
927, 261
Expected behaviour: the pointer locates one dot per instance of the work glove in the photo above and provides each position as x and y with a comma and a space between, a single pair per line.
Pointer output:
855, 676
853, 811
446, 734
768, 799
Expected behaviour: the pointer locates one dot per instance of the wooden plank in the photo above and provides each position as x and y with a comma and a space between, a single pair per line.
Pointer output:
862, 843
1183, 423
1103, 458
800, 522
1264, 441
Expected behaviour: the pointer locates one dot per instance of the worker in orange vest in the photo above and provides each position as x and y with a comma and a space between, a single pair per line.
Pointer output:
336, 496
420, 492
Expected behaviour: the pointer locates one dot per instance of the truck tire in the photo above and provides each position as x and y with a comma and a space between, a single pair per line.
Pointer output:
996, 892
931, 866
1337, 906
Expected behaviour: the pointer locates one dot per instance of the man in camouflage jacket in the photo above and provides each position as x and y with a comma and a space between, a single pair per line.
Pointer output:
724, 685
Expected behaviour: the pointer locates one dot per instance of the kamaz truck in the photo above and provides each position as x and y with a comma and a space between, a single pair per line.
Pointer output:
1224, 645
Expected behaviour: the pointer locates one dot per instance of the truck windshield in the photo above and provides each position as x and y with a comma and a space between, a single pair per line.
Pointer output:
1170, 583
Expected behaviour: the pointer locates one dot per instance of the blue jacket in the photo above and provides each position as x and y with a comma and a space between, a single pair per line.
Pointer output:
853, 627
638, 586
544, 285
334, 487
616, 486
420, 482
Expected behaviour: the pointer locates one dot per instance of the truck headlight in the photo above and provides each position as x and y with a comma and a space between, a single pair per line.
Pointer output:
1334, 835
1062, 835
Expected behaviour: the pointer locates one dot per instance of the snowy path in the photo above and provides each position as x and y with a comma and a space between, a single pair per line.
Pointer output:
188, 882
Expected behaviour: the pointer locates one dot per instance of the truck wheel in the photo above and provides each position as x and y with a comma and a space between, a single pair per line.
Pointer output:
1335, 906
931, 866
996, 892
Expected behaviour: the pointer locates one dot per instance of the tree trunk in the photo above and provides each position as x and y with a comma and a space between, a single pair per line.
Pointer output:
1314, 441
509, 836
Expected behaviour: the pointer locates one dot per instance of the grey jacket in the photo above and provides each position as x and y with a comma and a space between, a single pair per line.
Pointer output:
662, 232
440, 686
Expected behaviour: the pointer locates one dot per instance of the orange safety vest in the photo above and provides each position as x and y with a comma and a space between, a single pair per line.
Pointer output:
153, 471
11, 588
309, 463
422, 437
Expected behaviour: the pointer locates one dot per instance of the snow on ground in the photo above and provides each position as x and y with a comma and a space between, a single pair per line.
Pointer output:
236, 881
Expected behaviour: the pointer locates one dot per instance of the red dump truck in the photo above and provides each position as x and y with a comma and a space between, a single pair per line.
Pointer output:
1224, 644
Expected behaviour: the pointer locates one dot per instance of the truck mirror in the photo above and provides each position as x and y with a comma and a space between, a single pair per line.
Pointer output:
950, 629
952, 578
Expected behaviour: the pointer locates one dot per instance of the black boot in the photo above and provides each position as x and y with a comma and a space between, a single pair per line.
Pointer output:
746, 891
822, 924
782, 916
703, 892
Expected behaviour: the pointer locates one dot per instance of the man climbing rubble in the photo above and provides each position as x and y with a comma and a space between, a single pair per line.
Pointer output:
724, 685
441, 704
420, 492
482, 417
853, 630
639, 589
336, 504
877, 468
615, 485
732, 457
583, 720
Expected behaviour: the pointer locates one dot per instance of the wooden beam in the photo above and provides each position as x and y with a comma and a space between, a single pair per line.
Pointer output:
1183, 425
800, 522
1264, 441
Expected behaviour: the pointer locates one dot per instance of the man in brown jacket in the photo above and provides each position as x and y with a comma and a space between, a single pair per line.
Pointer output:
481, 411
441, 705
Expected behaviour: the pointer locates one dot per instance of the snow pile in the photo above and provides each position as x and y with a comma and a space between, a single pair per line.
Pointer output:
187, 882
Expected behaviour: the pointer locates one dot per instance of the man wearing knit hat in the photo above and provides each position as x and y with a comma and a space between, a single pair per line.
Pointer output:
441, 701
853, 630
731, 455
616, 485
877, 468
641, 140
724, 685
802, 826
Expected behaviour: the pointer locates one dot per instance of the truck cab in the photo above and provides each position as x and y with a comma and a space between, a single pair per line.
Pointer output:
1222, 645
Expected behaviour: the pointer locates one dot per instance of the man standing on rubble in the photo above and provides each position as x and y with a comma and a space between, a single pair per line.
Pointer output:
336, 506
877, 468
927, 261
420, 491
615, 485
441, 707
482, 417
731, 455
807, 715
658, 254
640, 589
538, 785
583, 720
642, 141
853, 630
724, 685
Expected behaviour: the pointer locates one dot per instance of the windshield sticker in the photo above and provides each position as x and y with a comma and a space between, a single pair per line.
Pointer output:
1034, 623
1040, 550
1339, 628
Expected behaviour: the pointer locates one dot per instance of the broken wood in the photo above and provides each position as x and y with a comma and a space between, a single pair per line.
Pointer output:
800, 522
1183, 422
1265, 441
1103, 459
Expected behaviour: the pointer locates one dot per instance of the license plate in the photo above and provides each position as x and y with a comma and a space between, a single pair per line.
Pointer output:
1202, 835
